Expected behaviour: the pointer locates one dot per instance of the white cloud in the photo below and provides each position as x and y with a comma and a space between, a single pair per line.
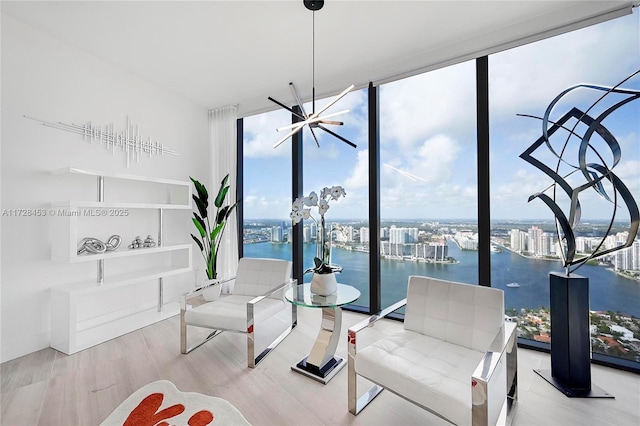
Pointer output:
359, 177
260, 135
526, 79
415, 108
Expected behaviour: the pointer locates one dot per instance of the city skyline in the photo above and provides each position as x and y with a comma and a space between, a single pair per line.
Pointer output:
426, 144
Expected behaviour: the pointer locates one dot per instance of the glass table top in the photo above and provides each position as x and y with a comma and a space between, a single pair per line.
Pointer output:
301, 295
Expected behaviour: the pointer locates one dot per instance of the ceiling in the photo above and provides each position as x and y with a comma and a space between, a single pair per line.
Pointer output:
219, 53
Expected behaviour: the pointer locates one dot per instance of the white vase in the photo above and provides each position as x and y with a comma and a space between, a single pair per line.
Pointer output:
324, 284
212, 293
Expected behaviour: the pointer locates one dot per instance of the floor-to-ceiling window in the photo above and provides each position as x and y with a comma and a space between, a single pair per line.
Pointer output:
525, 80
429, 188
428, 182
267, 187
336, 163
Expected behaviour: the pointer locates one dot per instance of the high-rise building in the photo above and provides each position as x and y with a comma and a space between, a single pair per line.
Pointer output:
276, 234
364, 235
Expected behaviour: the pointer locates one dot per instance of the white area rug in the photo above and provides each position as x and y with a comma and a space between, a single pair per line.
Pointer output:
161, 403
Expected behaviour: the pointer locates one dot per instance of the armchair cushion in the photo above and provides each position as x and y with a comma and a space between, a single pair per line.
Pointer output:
463, 314
230, 312
426, 370
257, 276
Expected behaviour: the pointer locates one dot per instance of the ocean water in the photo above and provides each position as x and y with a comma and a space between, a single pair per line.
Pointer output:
607, 290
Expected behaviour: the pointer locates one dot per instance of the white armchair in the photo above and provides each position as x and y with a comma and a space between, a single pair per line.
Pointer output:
455, 355
256, 307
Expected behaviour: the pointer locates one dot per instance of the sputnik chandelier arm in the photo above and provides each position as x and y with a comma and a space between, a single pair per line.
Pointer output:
314, 120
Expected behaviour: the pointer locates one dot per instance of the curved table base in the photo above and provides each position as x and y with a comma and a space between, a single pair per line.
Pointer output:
321, 364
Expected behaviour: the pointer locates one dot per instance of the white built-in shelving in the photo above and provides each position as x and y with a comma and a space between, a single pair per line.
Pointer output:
88, 313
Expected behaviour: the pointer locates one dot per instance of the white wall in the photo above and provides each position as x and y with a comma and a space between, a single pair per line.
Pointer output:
45, 78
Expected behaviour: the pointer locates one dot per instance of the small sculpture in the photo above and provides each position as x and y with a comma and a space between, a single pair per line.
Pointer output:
138, 243
93, 245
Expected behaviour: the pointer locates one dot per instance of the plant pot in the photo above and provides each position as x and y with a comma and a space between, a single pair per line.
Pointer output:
213, 292
324, 284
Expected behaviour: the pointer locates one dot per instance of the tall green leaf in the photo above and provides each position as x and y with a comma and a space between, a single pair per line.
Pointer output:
200, 227
231, 210
222, 214
201, 190
202, 206
216, 231
224, 180
197, 242
221, 196
200, 221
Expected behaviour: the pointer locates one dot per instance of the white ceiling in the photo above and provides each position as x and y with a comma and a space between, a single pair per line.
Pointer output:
219, 53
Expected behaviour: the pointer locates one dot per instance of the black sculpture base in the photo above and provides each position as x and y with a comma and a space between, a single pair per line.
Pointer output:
323, 374
594, 392
570, 338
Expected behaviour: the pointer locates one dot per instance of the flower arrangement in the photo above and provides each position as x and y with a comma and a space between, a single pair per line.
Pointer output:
301, 209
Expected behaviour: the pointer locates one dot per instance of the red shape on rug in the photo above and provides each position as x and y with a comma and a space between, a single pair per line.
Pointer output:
201, 418
147, 414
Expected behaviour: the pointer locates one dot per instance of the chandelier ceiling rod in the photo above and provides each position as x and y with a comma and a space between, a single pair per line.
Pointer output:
314, 121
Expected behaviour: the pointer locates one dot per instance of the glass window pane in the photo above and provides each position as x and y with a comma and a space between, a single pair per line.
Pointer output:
525, 80
336, 163
428, 179
267, 187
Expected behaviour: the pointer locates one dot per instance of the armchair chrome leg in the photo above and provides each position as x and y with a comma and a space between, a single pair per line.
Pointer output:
355, 404
512, 377
209, 337
253, 360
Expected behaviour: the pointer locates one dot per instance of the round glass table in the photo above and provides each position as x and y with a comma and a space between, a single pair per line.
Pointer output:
321, 364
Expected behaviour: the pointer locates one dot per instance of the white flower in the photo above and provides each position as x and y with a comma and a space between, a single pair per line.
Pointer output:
297, 205
295, 217
323, 206
325, 193
305, 214
312, 199
337, 192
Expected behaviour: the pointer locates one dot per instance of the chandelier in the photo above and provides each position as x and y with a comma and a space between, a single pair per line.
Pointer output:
315, 120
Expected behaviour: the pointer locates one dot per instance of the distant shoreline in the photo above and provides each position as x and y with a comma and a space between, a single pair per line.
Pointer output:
607, 267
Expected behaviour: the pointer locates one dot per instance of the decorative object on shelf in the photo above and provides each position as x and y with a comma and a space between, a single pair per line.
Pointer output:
569, 293
323, 281
314, 121
138, 243
128, 141
210, 233
93, 245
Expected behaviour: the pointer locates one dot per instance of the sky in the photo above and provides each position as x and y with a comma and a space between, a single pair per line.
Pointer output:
428, 141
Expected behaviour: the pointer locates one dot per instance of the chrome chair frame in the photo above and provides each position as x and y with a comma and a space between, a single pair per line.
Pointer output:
504, 347
252, 360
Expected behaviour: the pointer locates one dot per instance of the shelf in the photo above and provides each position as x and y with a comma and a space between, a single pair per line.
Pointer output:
123, 252
84, 338
84, 314
73, 207
122, 280
75, 171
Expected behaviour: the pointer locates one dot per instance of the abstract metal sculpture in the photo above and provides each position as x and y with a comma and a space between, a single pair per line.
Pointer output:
594, 174
313, 120
94, 246
128, 140
569, 293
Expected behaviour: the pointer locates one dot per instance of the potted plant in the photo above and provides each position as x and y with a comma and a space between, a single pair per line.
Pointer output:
210, 229
323, 281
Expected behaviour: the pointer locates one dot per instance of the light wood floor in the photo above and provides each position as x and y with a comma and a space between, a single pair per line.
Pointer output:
50, 388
